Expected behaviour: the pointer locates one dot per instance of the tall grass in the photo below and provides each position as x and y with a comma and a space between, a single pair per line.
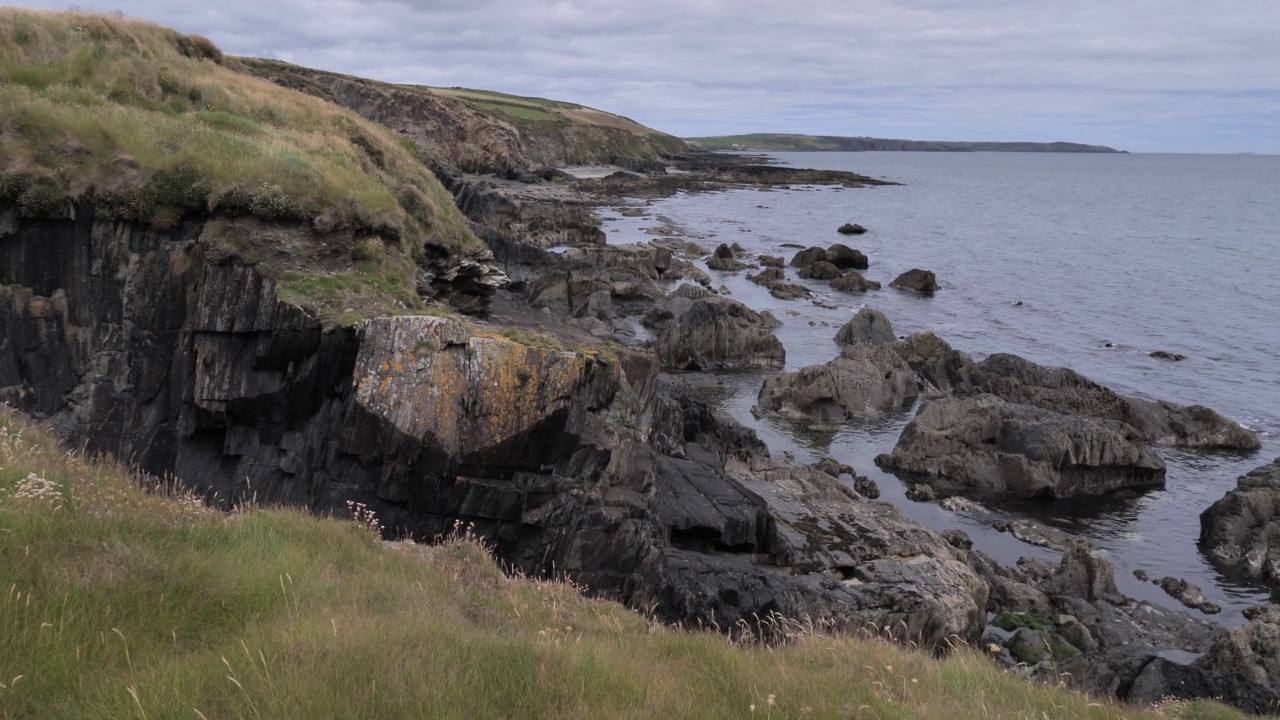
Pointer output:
119, 602
156, 123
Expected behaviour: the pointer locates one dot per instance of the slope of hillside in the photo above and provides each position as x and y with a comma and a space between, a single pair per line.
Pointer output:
120, 602
782, 142
481, 131
142, 124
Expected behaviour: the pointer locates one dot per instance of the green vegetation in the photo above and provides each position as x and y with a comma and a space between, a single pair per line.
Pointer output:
158, 125
120, 603
1010, 621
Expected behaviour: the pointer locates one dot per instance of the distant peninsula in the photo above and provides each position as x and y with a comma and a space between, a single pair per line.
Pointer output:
829, 143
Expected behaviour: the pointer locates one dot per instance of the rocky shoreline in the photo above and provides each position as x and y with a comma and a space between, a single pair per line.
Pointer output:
557, 425
1003, 425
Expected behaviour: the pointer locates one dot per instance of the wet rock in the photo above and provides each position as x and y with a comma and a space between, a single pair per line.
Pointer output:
916, 279
854, 282
866, 487
789, 291
922, 493
958, 539
851, 229
845, 257
985, 442
1085, 576
832, 467
1034, 533
767, 276
821, 270
1188, 594
1165, 355
865, 380
771, 261
808, 256
1141, 575
867, 326
939, 367
1237, 531
723, 259
1065, 391
698, 330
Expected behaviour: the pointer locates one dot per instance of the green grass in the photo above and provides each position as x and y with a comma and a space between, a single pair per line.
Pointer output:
158, 125
524, 112
116, 603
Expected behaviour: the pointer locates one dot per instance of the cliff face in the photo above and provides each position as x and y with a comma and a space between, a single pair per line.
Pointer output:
132, 342
470, 137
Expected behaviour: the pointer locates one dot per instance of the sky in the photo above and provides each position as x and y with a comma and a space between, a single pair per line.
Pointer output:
1139, 75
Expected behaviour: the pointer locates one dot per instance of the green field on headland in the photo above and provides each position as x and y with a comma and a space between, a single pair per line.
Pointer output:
781, 142
115, 603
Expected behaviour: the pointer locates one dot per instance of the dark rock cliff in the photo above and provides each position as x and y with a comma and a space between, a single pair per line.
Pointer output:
132, 342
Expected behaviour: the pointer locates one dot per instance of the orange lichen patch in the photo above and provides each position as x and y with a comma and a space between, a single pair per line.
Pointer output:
430, 378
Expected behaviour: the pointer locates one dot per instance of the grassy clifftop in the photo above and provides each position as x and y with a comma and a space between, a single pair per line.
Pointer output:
478, 130
118, 603
156, 124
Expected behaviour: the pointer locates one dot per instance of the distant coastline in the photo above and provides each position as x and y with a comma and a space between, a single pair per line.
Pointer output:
828, 143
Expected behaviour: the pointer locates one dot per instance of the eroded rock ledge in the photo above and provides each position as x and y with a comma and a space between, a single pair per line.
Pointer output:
564, 457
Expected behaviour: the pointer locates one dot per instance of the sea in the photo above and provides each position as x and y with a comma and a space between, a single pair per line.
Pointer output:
1078, 260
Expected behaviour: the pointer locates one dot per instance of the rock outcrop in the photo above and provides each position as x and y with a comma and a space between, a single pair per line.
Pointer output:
854, 282
923, 281
845, 257
698, 330
864, 381
1065, 391
130, 341
866, 326
1240, 533
723, 259
985, 442
939, 367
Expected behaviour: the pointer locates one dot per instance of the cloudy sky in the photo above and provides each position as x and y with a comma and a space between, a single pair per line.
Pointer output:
1143, 75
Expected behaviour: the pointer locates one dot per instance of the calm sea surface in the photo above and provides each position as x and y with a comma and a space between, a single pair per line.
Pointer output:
1142, 252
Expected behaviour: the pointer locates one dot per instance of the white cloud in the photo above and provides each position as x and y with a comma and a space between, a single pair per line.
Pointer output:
1142, 74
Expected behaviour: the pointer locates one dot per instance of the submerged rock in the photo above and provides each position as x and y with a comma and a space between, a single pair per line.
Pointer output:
845, 257
789, 291
1165, 355
984, 442
1241, 532
821, 270
916, 279
865, 380
723, 259
1188, 594
808, 256
854, 282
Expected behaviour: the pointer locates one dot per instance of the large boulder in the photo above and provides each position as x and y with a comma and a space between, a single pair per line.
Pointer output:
985, 442
939, 367
821, 270
808, 256
916, 279
1066, 391
699, 330
845, 257
789, 291
867, 326
866, 380
854, 282
1241, 532
767, 276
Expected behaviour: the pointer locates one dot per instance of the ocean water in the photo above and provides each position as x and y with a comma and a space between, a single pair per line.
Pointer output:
1111, 256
